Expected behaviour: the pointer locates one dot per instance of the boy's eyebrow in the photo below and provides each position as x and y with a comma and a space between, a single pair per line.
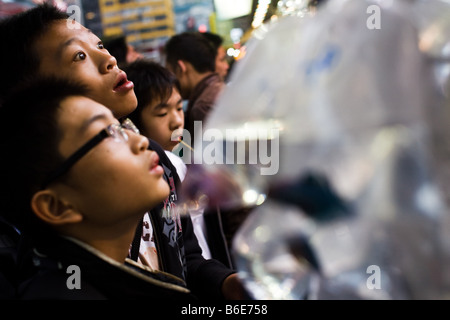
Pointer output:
165, 104
88, 122
161, 105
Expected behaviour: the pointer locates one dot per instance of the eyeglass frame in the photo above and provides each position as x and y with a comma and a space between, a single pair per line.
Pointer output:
110, 131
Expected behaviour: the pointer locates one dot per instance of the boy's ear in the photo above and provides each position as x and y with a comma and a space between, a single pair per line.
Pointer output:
182, 66
50, 208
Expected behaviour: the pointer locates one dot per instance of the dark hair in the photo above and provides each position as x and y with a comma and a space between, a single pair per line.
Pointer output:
191, 47
151, 81
117, 47
215, 39
29, 141
18, 34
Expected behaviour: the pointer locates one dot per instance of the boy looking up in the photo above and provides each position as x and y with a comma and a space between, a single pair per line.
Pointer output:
80, 199
40, 42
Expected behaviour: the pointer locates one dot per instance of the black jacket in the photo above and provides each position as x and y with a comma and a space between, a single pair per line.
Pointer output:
183, 259
96, 276
9, 239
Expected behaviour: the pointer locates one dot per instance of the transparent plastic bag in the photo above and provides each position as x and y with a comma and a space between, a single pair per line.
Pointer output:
366, 106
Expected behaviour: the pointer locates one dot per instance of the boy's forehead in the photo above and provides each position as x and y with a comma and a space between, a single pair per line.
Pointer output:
67, 27
80, 111
170, 100
83, 105
61, 33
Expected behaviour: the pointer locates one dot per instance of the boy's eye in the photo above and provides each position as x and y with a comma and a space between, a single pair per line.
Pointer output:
162, 115
100, 45
80, 56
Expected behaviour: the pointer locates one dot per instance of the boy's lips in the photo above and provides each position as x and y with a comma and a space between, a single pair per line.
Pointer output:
122, 83
154, 164
177, 137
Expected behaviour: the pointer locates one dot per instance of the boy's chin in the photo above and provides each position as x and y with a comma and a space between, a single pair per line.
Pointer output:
164, 191
159, 193
124, 106
172, 146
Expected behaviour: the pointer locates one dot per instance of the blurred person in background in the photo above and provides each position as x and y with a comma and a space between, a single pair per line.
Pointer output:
120, 49
192, 58
222, 65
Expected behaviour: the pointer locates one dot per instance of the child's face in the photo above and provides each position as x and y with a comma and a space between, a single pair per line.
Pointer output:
116, 181
78, 54
161, 120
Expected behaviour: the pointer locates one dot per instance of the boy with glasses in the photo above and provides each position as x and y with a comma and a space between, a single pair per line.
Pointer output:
81, 197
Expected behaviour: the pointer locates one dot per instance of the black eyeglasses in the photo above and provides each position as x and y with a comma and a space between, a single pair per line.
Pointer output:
114, 130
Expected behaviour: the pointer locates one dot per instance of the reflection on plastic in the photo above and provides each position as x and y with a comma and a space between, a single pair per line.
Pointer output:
359, 208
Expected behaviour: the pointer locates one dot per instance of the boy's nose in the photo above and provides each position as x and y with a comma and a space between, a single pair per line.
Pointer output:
176, 121
108, 63
138, 142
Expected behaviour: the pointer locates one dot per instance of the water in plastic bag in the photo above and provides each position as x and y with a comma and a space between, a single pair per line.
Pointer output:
358, 95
